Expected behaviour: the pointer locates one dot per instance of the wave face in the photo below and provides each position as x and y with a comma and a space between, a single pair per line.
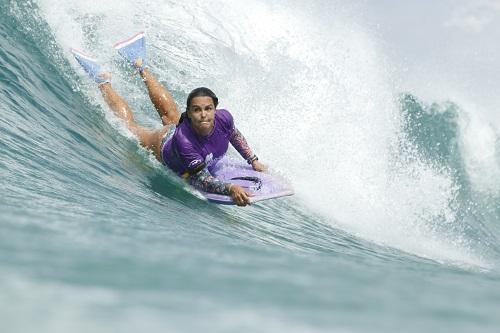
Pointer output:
397, 198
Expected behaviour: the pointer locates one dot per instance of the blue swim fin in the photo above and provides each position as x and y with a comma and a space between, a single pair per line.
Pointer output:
90, 65
133, 48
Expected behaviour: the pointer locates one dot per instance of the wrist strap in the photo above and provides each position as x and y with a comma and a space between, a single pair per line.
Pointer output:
253, 158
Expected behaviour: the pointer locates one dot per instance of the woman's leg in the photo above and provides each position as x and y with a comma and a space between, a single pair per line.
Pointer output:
159, 95
149, 139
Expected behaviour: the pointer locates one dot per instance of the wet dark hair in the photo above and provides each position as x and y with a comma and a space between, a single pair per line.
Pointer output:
198, 92
201, 92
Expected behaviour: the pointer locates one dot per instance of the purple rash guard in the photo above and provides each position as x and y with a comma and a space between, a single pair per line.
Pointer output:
193, 156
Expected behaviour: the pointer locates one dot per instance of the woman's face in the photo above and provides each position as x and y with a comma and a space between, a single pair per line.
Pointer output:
202, 115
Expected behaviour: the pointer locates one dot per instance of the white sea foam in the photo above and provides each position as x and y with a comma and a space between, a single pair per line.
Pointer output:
479, 145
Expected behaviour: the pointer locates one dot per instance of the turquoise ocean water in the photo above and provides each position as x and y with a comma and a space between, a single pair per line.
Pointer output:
395, 221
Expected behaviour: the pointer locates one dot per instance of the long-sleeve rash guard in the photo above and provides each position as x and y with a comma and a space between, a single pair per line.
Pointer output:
193, 156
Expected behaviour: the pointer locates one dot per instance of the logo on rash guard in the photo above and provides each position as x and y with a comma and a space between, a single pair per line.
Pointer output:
209, 158
194, 163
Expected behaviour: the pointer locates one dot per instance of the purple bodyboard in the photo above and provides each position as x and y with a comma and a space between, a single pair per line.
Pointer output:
262, 185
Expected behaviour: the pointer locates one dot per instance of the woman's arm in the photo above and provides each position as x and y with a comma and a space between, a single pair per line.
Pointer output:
241, 145
204, 181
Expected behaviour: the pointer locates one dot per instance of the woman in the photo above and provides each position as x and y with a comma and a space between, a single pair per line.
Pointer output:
190, 144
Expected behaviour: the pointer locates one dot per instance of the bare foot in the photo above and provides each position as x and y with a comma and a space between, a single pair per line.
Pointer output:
105, 76
138, 63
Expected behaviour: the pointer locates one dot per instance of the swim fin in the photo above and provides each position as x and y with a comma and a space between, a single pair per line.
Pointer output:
133, 48
90, 65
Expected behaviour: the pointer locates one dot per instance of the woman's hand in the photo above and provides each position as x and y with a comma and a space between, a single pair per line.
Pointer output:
239, 195
257, 166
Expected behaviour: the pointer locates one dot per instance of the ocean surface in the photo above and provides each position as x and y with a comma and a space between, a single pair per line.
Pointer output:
394, 226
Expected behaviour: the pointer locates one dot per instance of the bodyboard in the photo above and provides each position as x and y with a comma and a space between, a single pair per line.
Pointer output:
261, 185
